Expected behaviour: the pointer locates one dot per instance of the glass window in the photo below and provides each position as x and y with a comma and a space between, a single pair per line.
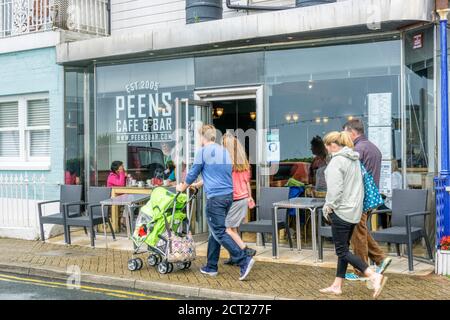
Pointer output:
136, 115
9, 129
38, 128
229, 70
312, 91
25, 128
74, 126
420, 111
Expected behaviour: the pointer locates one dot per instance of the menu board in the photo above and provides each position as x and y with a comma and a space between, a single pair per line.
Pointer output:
382, 138
386, 178
380, 113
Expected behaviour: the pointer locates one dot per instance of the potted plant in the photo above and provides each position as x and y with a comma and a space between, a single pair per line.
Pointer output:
443, 256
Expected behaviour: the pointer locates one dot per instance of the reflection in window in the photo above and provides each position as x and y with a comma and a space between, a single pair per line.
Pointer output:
136, 116
74, 126
314, 91
420, 111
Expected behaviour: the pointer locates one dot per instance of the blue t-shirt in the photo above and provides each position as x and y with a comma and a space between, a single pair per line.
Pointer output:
214, 163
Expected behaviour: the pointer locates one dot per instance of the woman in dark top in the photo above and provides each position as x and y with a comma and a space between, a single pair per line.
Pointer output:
320, 154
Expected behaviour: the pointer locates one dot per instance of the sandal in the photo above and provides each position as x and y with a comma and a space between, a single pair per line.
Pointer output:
378, 290
330, 290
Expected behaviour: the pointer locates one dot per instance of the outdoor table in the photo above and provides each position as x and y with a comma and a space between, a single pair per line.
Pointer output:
311, 204
129, 201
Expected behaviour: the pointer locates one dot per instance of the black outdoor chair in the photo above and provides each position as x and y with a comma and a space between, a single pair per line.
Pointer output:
92, 214
264, 214
68, 194
323, 231
407, 222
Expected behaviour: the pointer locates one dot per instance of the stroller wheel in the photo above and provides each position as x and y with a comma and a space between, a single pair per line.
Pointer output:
187, 265
140, 263
152, 260
170, 267
181, 265
133, 265
163, 268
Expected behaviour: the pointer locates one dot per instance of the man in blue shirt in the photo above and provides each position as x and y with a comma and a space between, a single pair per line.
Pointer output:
213, 162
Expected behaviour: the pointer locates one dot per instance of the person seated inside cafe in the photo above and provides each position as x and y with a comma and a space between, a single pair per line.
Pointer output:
172, 179
71, 176
117, 177
320, 155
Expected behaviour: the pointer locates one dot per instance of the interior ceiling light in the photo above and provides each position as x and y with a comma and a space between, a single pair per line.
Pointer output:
288, 117
219, 111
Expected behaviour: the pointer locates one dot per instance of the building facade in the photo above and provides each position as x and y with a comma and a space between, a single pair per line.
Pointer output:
32, 105
288, 75
279, 72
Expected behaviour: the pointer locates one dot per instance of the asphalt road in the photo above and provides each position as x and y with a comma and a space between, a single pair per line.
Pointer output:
20, 287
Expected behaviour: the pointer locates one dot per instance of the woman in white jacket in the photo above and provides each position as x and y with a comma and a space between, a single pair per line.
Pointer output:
343, 208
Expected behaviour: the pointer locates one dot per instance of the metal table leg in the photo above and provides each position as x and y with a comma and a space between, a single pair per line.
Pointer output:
104, 226
299, 232
128, 221
313, 232
275, 235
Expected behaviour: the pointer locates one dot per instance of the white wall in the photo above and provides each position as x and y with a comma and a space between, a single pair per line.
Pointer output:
139, 14
19, 219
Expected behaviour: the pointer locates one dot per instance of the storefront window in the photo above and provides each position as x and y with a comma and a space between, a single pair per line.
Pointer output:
312, 91
229, 70
420, 112
74, 126
136, 116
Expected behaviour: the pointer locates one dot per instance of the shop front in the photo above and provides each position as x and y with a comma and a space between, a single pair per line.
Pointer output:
275, 99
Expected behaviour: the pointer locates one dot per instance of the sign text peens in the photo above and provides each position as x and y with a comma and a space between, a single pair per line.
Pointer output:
144, 113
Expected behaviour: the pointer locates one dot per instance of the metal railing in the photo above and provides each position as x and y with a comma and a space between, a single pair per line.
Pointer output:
19, 17
19, 195
442, 206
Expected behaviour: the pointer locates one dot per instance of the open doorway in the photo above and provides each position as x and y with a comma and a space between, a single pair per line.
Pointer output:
239, 110
238, 116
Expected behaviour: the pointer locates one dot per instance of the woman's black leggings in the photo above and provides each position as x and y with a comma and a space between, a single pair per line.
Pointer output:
342, 232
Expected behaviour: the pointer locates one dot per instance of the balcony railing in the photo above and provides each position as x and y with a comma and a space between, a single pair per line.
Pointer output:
19, 17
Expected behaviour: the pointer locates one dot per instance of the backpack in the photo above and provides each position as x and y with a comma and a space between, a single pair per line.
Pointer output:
372, 196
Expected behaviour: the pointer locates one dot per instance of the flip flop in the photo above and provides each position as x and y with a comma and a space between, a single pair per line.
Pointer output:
377, 292
330, 291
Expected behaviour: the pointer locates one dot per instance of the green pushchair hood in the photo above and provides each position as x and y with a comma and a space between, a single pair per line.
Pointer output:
161, 203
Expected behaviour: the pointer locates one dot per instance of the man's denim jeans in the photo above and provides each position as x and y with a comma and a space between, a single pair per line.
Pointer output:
216, 212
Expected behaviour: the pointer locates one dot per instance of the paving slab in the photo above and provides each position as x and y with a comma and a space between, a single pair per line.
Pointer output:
268, 280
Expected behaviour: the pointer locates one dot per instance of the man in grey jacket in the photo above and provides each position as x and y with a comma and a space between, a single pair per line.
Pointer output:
362, 242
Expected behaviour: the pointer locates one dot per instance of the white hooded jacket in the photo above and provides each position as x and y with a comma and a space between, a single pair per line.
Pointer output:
345, 188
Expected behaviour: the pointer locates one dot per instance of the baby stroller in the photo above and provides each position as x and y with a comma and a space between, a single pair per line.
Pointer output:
162, 228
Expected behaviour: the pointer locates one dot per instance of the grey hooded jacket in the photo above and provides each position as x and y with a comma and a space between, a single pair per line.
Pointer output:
345, 188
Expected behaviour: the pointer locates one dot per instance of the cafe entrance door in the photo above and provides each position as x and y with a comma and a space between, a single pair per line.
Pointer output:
190, 115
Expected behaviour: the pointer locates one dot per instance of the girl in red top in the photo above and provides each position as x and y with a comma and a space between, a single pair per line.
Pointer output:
117, 177
242, 192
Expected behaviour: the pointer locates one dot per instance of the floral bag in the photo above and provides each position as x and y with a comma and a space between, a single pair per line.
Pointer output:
372, 197
181, 249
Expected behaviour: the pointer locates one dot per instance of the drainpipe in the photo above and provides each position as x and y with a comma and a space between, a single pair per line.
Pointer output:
108, 8
443, 181
250, 7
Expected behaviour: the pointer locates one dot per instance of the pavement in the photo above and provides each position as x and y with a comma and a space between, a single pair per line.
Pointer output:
266, 281
264, 254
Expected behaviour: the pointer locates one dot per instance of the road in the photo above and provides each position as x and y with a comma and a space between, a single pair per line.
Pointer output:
20, 287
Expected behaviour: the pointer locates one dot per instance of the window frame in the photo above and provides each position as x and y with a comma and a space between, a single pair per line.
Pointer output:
25, 160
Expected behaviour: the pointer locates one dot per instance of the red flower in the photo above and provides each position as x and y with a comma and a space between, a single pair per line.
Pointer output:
444, 244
